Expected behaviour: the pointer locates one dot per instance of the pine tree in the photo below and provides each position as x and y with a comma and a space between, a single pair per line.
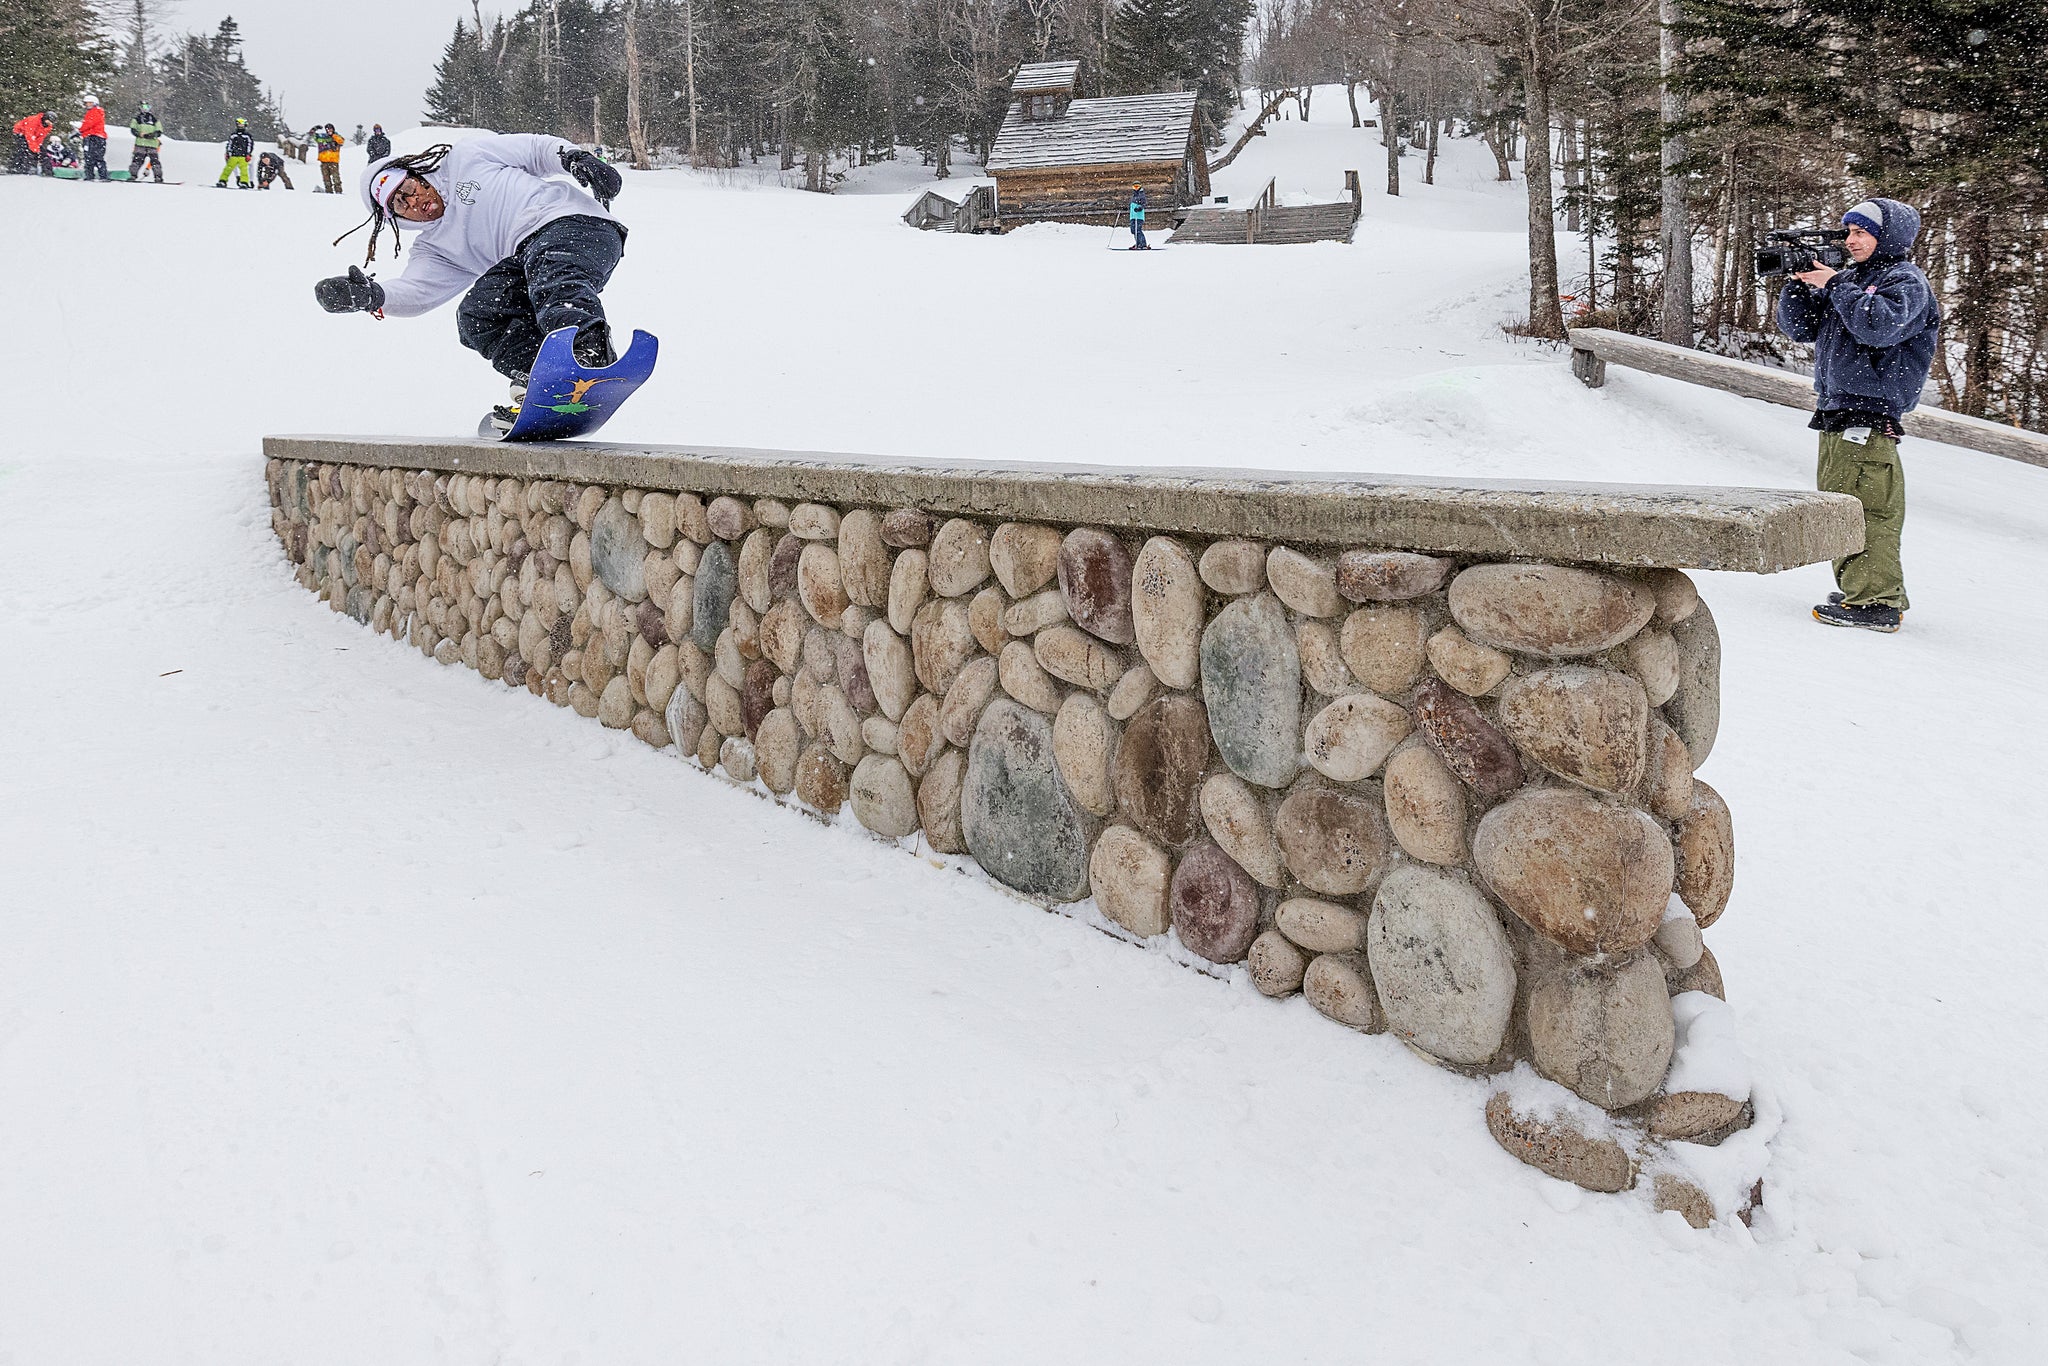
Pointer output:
206, 86
51, 52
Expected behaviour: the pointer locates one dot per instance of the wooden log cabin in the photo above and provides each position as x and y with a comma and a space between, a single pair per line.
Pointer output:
1059, 159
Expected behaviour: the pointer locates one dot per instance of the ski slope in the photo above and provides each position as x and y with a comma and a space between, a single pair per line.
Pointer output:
357, 1010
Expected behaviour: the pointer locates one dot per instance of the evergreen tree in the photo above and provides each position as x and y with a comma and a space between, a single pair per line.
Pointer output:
205, 86
51, 52
1181, 45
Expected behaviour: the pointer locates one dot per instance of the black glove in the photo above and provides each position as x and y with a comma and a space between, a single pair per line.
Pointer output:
592, 174
354, 292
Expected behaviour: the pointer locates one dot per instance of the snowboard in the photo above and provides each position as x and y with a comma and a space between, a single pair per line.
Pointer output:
565, 400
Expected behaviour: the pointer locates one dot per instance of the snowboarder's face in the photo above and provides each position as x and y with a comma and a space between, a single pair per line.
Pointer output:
417, 202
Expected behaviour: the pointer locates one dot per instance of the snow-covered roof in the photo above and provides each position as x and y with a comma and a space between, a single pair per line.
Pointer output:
1120, 129
1039, 78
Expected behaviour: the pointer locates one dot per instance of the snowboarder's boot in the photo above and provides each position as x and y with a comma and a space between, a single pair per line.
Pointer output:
593, 348
505, 414
1875, 616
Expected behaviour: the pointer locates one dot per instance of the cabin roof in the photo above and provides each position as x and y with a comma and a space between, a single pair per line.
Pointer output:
1042, 78
1104, 132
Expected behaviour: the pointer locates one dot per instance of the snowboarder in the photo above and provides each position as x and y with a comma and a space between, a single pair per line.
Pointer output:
1874, 328
240, 147
92, 131
149, 135
380, 146
1138, 219
329, 142
29, 135
532, 252
57, 155
269, 167
357, 140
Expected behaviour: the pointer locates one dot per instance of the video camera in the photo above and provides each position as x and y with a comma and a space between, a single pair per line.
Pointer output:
1801, 250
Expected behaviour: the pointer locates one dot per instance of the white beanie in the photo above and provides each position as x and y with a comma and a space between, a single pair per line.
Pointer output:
1869, 215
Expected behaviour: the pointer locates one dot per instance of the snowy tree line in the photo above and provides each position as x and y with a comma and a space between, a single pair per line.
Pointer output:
1681, 132
54, 52
726, 82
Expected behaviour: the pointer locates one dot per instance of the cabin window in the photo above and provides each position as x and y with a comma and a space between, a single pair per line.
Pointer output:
1040, 107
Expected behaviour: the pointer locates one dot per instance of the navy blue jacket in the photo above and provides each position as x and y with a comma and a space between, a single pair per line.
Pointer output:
1874, 326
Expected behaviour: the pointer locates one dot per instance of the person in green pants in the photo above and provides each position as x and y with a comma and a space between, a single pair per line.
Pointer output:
240, 147
149, 136
1874, 326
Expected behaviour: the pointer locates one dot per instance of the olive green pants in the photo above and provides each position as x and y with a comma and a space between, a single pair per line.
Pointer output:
1872, 475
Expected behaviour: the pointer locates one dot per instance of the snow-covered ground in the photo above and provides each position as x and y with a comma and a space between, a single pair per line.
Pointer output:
358, 1010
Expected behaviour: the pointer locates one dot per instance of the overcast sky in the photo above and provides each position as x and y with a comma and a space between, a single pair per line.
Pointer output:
339, 61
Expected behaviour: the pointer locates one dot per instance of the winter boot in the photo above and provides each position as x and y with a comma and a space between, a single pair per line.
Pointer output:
593, 347
1835, 599
505, 414
1874, 616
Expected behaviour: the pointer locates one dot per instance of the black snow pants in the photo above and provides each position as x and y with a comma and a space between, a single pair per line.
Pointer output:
551, 281
95, 158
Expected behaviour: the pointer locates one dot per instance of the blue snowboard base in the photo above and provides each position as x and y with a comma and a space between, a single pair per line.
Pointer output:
565, 400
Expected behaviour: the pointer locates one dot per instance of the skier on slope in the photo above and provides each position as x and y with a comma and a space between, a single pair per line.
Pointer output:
1137, 212
532, 251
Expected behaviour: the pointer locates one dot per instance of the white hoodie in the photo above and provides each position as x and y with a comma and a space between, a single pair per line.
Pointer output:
499, 189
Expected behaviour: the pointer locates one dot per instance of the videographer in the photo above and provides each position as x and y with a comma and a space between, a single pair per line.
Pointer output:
1874, 327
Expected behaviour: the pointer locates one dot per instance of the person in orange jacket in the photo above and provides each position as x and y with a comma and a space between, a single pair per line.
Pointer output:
329, 142
28, 143
92, 130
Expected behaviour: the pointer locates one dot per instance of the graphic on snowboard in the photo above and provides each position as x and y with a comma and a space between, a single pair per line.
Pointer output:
564, 400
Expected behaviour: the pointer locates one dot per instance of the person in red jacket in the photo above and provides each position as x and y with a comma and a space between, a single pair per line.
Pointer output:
92, 129
28, 143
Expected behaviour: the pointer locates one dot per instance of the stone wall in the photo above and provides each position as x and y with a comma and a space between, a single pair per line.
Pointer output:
1448, 796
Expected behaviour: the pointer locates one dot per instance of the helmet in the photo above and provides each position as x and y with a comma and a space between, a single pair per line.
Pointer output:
241, 123
91, 100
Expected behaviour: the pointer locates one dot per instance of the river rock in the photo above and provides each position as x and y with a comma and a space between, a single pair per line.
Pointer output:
782, 567
839, 725
1688, 1115
1678, 941
772, 513
1214, 904
1587, 725
1555, 1146
1084, 741
1166, 611
1589, 875
618, 551
1019, 820
1482, 758
1275, 964
1321, 926
958, 560
782, 635
1425, 807
985, 618
891, 672
908, 587
1138, 686
905, 528
1384, 647
1033, 614
1675, 593
1322, 658
729, 518
1442, 964
1349, 739
941, 643
1548, 609
711, 599
938, 802
757, 695
864, 566
615, 705
1068, 653
1389, 575
1130, 875
736, 757
722, 701
1024, 556
1305, 583
1465, 664
1695, 708
880, 734
1667, 772
820, 779
658, 519
1334, 842
756, 558
1704, 975
1159, 764
664, 675
965, 699
814, 521
677, 622
1234, 568
882, 796
1339, 985
1251, 681
918, 741
1025, 679
1237, 819
1604, 1031
818, 584
777, 745
1705, 854
1651, 658
1095, 578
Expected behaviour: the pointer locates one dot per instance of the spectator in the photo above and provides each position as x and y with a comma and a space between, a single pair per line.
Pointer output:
1138, 218
357, 140
1874, 327
380, 146
269, 167
29, 136
92, 131
329, 142
240, 147
149, 136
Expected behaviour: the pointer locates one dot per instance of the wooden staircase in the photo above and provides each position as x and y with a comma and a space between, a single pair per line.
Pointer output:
1270, 223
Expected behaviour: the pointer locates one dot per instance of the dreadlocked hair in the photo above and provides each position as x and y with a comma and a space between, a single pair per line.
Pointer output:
413, 163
